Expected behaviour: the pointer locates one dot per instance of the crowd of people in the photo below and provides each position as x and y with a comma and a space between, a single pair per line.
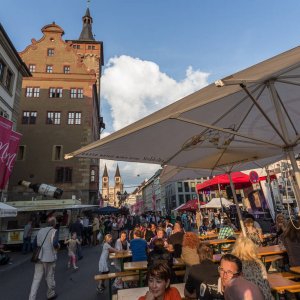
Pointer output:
159, 240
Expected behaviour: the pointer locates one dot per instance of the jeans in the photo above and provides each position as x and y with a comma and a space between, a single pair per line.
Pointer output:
41, 268
26, 245
79, 249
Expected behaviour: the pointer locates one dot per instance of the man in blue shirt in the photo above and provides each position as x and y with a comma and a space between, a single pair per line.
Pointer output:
138, 247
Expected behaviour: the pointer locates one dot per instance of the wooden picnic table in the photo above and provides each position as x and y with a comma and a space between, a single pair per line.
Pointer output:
279, 284
262, 252
220, 241
143, 265
121, 256
208, 236
270, 250
135, 293
295, 269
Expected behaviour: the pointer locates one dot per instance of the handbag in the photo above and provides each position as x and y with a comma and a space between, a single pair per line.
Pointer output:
37, 250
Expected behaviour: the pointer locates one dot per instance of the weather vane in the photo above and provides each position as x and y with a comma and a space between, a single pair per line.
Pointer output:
88, 3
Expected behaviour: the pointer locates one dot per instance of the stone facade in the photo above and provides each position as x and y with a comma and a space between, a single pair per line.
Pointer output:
59, 114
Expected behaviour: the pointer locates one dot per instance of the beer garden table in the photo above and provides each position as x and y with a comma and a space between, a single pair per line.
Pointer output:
295, 269
121, 256
262, 253
143, 265
135, 293
279, 284
270, 250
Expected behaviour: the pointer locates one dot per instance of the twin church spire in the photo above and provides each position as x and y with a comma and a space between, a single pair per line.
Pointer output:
117, 174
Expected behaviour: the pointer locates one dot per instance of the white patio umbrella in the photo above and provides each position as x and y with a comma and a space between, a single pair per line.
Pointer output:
217, 203
250, 115
7, 210
171, 174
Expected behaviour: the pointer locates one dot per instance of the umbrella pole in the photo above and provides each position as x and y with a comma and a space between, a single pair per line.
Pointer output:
237, 204
271, 190
289, 149
220, 197
291, 156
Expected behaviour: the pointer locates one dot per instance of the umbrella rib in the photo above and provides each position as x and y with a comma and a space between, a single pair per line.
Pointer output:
246, 115
263, 113
227, 131
288, 82
286, 112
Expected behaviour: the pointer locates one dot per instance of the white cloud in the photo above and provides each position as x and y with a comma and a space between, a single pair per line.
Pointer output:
134, 88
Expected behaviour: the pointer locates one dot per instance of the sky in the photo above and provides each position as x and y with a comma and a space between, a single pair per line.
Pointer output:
158, 51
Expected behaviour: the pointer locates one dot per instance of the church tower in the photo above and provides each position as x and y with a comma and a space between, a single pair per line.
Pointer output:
110, 193
118, 184
105, 185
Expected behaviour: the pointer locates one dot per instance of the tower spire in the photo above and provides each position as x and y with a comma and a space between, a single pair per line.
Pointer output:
117, 172
105, 173
87, 20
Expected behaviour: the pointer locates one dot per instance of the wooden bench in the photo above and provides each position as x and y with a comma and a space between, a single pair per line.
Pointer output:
111, 276
294, 290
131, 278
290, 275
280, 284
272, 258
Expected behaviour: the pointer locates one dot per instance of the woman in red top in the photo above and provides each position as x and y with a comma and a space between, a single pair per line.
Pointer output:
159, 284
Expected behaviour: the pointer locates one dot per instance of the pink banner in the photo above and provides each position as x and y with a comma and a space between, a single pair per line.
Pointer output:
9, 143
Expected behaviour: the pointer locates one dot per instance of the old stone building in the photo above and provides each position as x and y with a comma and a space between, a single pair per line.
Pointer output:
59, 112
110, 193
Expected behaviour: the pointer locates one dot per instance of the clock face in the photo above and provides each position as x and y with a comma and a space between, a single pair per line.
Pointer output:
104, 179
117, 179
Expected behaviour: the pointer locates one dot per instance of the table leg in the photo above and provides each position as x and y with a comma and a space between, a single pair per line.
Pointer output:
277, 296
109, 288
140, 278
122, 264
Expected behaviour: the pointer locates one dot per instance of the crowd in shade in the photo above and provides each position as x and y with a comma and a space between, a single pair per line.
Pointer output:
238, 274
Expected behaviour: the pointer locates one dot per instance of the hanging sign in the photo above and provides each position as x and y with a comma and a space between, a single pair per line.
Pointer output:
253, 177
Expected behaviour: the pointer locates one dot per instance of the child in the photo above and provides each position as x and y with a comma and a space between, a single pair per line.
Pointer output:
72, 246
103, 262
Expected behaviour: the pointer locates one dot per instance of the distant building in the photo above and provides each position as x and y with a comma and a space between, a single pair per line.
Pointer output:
60, 112
12, 71
110, 192
151, 193
180, 192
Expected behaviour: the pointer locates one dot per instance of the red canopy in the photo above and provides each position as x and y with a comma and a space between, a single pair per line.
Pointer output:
191, 205
240, 180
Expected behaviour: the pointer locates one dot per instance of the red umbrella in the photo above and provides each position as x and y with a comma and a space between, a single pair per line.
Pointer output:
240, 180
191, 205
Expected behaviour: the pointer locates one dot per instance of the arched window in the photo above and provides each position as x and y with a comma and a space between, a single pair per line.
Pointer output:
93, 175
